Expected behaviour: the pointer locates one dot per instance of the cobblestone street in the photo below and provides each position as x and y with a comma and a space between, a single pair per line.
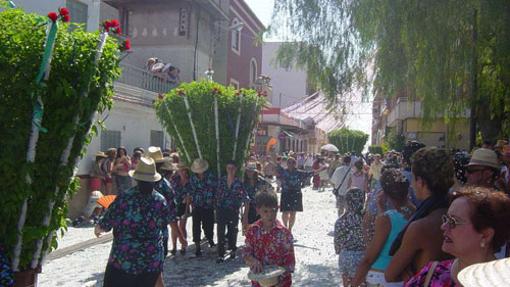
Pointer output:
316, 262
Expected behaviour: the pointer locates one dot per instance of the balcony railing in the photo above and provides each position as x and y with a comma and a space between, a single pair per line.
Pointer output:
143, 79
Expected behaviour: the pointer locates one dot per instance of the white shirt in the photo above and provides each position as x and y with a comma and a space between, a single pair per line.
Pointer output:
340, 173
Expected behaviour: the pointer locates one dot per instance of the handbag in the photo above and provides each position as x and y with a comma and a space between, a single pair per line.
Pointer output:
335, 191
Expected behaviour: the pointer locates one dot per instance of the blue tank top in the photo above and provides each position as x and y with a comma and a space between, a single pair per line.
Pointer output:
398, 221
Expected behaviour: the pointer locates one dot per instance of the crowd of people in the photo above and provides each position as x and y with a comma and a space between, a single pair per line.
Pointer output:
155, 189
412, 218
427, 214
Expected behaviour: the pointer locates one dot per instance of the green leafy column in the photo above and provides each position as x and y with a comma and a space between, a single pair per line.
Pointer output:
234, 134
77, 87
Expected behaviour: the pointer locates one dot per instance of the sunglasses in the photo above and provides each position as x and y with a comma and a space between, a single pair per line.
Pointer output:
475, 170
451, 222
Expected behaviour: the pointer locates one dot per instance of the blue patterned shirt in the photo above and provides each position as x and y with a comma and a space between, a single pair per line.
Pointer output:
292, 180
203, 191
181, 191
231, 197
260, 185
6, 275
138, 221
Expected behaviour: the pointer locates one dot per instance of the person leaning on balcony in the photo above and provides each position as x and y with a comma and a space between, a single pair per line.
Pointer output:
420, 240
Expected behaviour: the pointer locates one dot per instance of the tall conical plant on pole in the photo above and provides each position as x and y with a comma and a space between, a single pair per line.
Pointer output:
198, 115
53, 81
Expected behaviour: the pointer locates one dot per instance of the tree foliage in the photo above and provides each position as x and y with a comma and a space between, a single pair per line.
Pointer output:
451, 55
347, 140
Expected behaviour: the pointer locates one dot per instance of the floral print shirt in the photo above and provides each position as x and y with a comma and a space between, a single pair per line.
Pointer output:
349, 233
203, 191
138, 221
181, 191
260, 185
440, 278
6, 276
292, 180
275, 247
230, 197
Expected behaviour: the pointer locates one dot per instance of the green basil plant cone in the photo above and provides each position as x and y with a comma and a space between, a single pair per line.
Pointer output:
210, 121
53, 80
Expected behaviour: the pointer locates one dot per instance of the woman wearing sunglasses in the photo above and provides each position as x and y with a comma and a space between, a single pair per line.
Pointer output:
474, 228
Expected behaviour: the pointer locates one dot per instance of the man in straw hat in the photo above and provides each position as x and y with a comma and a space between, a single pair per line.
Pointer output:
138, 218
483, 168
165, 168
203, 193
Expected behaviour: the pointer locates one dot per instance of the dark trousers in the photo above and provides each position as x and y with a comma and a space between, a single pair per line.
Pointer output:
252, 214
228, 220
114, 277
202, 218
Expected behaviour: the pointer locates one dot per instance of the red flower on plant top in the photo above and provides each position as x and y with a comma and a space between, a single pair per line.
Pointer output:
63, 11
53, 16
127, 44
118, 30
114, 23
66, 18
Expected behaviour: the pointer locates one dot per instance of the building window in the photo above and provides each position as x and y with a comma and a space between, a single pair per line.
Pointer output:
234, 83
157, 139
253, 72
78, 11
110, 139
236, 37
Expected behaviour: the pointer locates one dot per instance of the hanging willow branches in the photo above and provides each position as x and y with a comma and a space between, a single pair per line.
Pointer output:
451, 55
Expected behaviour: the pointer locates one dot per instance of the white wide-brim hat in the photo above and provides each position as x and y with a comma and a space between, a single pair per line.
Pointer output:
489, 274
199, 165
155, 153
268, 277
145, 170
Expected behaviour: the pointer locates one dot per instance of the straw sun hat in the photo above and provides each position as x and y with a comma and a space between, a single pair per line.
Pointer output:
268, 277
484, 157
199, 165
490, 274
145, 170
155, 153
169, 166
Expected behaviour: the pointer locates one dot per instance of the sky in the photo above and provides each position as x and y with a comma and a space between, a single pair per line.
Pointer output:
263, 9
360, 117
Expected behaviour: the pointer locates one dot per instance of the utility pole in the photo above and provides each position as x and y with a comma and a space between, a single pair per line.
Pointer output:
473, 82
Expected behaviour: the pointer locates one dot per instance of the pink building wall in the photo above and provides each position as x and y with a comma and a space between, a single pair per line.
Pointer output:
239, 67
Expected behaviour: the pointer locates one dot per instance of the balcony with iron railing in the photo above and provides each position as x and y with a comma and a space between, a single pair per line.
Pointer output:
143, 79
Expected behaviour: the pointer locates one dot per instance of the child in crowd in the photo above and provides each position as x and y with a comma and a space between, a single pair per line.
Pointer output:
349, 243
268, 242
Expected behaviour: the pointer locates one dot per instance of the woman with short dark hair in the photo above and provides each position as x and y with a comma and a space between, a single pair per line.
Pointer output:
475, 227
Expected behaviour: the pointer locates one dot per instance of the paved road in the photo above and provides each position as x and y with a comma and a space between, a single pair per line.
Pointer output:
316, 261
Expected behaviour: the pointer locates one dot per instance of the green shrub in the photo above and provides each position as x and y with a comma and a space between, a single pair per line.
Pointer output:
73, 71
347, 140
201, 99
